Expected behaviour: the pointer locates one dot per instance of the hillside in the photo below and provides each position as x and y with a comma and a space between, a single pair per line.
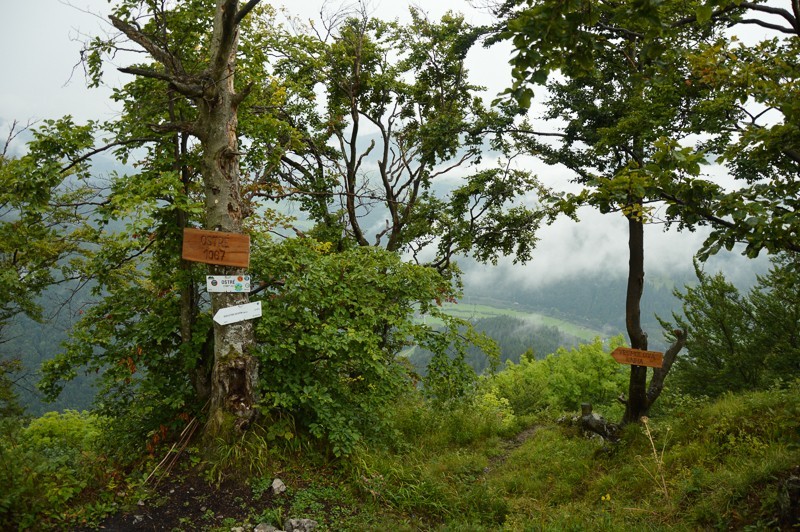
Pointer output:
731, 464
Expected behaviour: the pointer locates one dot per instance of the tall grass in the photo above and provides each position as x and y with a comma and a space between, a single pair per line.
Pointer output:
475, 464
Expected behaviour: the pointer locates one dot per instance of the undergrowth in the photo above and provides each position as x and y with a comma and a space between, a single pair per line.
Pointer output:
472, 464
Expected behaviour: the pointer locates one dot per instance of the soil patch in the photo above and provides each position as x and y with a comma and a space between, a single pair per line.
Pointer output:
189, 502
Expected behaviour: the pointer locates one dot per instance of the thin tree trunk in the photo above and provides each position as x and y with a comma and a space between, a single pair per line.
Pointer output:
636, 405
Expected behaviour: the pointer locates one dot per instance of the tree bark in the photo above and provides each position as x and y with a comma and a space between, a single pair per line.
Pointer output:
235, 372
598, 424
659, 374
640, 396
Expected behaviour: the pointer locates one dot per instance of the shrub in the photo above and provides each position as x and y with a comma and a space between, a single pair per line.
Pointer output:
331, 332
563, 380
46, 467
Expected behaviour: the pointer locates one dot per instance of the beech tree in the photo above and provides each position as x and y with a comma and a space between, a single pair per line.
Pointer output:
622, 95
747, 115
750, 114
216, 101
150, 333
199, 100
679, 73
43, 197
395, 116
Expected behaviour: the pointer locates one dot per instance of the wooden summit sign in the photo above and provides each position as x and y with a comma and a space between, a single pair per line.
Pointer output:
638, 357
215, 247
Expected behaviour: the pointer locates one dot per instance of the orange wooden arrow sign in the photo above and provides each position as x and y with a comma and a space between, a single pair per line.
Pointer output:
638, 357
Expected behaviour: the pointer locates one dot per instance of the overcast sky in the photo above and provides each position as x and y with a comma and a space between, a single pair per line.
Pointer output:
42, 78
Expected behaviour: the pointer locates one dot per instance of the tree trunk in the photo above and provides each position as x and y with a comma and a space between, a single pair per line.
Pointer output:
640, 396
235, 372
659, 374
200, 374
636, 405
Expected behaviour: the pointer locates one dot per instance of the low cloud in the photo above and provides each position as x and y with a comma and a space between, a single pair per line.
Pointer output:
598, 244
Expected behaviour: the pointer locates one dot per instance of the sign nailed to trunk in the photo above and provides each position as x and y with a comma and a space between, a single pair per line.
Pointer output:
228, 315
638, 357
228, 283
215, 247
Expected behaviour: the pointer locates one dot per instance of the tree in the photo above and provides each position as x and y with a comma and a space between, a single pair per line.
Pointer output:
747, 115
750, 114
408, 87
46, 194
776, 307
10, 407
42, 200
149, 320
150, 334
216, 101
625, 116
721, 355
740, 342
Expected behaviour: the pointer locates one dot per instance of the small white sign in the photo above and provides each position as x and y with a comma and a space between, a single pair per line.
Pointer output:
228, 315
228, 283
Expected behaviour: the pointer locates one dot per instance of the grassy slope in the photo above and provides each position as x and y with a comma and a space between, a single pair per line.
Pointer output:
733, 463
730, 464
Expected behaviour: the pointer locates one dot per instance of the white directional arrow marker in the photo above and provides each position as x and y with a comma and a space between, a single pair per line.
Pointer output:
228, 315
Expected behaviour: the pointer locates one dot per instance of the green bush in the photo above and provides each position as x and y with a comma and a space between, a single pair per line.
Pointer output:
331, 332
46, 466
738, 342
563, 380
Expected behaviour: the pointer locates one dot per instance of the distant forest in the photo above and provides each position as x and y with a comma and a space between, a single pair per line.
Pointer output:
596, 302
514, 337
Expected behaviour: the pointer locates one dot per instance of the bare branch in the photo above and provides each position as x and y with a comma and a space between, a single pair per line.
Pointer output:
101, 149
762, 8
245, 10
769, 25
170, 61
13, 132
184, 85
622, 31
536, 133
240, 96
720, 14
796, 9
660, 374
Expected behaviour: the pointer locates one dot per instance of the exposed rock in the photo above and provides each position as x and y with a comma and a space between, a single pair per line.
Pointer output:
299, 525
264, 527
278, 486
597, 424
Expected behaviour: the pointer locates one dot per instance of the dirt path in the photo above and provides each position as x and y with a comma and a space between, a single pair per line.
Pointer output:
511, 445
